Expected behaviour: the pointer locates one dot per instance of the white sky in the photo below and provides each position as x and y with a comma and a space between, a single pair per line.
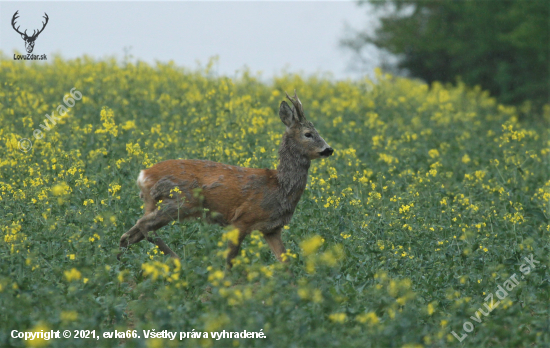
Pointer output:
266, 36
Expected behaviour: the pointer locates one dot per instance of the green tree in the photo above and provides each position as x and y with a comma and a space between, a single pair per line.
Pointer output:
503, 46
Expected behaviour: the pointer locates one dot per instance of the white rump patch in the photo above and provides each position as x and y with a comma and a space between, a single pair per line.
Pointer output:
141, 178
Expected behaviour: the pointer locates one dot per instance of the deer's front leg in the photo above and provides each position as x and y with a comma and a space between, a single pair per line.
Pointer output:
275, 242
234, 248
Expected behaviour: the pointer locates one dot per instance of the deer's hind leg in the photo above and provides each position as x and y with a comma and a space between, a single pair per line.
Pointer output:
150, 222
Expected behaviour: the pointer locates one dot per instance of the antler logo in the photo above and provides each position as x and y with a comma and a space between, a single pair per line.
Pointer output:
29, 40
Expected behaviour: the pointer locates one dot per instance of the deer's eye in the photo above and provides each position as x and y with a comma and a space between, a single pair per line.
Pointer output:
308, 135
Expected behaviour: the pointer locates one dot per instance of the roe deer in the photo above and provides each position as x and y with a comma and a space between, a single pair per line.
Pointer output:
247, 198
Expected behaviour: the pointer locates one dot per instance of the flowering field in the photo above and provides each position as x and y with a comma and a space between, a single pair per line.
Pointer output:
432, 202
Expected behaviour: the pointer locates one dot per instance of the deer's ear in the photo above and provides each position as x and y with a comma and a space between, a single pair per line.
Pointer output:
286, 114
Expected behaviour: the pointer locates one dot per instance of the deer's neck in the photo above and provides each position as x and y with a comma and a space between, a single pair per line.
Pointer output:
292, 170
292, 179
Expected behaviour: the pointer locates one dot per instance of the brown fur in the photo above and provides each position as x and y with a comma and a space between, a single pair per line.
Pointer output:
247, 198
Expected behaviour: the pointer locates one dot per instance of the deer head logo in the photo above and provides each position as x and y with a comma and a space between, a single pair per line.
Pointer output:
29, 40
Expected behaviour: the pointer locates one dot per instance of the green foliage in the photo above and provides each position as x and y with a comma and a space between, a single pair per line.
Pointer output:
500, 45
433, 198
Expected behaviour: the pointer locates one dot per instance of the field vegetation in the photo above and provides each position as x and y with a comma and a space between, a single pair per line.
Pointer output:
434, 197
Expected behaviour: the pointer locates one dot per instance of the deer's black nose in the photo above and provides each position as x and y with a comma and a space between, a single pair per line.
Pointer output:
327, 152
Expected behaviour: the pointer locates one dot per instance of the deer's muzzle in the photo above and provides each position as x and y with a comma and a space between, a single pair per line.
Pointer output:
327, 152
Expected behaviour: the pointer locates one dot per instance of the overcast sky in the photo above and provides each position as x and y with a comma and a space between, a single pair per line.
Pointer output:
266, 36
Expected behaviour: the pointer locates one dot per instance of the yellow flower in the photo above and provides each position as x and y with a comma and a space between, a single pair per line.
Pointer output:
216, 275
311, 245
232, 236
68, 316
155, 343
60, 189
155, 269
430, 309
121, 275
303, 293
433, 153
338, 317
38, 341
73, 274
114, 188
268, 272
128, 125
369, 318
317, 296
109, 126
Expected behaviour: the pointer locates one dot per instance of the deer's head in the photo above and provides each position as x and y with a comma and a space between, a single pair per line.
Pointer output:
301, 135
29, 40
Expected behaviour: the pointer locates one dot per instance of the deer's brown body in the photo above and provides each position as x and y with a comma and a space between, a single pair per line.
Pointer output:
247, 198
